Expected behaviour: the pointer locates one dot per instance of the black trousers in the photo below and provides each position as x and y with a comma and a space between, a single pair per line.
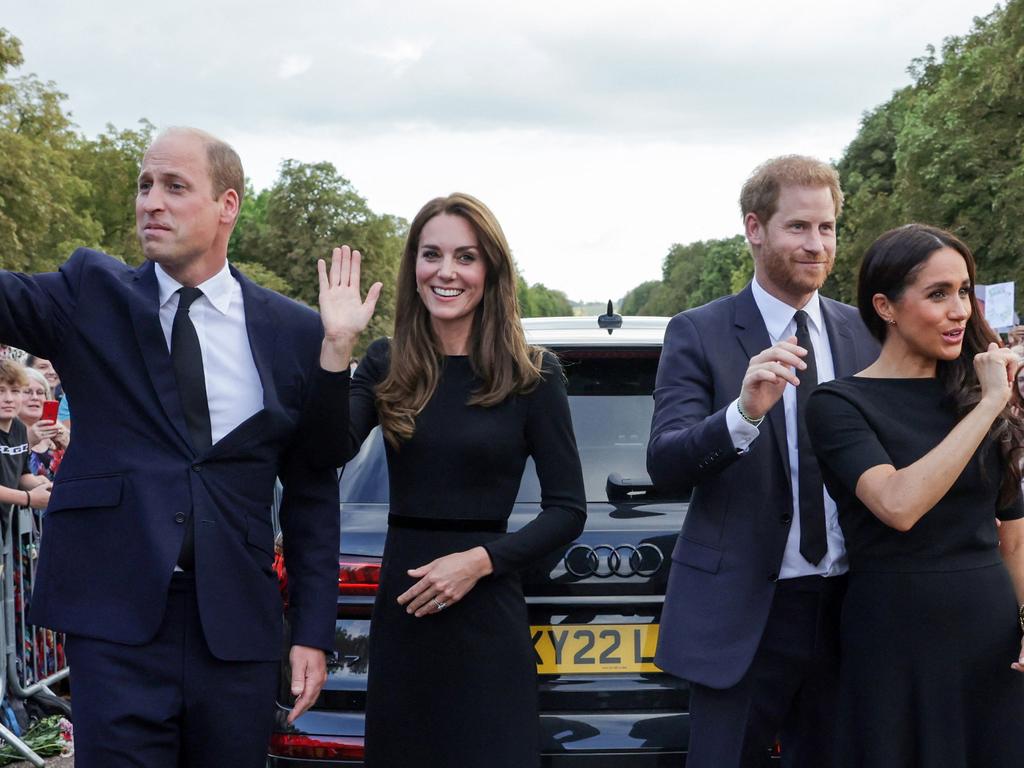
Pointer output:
789, 692
169, 703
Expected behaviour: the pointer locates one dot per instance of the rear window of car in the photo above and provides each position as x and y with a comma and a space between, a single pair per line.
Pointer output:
610, 397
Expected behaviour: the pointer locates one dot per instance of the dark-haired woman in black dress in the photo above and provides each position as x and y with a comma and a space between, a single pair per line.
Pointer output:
920, 452
462, 401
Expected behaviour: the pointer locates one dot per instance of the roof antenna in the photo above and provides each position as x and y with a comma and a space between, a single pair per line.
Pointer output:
609, 320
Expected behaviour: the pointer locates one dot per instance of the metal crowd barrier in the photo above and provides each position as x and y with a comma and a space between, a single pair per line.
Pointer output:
31, 658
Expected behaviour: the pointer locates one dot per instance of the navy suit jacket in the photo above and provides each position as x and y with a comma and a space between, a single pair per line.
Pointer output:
131, 479
728, 554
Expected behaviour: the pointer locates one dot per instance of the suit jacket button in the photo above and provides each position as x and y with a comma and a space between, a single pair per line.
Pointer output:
196, 468
786, 519
180, 517
773, 576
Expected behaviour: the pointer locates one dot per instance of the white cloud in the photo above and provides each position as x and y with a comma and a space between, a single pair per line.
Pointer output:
399, 53
294, 65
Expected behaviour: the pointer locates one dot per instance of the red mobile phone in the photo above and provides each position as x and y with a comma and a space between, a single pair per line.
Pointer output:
50, 410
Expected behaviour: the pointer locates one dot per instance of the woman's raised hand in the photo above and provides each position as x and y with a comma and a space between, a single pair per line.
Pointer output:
343, 312
996, 369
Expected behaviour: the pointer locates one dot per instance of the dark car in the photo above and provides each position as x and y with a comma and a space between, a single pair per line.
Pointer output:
594, 605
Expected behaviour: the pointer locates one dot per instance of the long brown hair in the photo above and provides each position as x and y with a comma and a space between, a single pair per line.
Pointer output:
498, 352
889, 266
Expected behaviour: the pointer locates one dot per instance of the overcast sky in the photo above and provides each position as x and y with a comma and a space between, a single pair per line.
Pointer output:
599, 132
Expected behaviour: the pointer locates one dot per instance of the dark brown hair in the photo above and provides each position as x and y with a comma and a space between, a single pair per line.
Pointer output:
889, 266
498, 352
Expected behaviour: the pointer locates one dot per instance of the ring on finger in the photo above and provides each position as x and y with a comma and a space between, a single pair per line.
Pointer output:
440, 604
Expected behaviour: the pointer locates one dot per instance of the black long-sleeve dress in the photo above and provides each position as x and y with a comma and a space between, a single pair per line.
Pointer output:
458, 688
929, 625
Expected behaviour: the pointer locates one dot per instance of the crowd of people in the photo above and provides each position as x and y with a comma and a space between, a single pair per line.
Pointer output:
32, 443
848, 580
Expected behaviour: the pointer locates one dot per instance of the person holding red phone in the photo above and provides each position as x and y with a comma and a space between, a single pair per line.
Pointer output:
47, 437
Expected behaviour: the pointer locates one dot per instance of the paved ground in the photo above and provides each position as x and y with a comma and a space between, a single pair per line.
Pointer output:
53, 762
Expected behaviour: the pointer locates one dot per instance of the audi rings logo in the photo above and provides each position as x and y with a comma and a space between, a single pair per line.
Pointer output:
604, 560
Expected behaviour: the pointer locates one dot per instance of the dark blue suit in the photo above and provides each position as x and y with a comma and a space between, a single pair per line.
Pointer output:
131, 479
728, 555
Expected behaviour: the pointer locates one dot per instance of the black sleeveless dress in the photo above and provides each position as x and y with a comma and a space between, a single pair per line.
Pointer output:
929, 625
458, 688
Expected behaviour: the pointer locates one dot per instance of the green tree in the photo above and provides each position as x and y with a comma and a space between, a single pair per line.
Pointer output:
634, 301
40, 218
263, 276
867, 171
694, 274
249, 239
947, 150
110, 165
309, 210
538, 300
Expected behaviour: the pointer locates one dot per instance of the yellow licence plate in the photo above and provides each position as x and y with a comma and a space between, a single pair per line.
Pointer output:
595, 648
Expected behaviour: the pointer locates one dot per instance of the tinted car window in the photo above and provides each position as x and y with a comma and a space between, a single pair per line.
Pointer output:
365, 477
610, 396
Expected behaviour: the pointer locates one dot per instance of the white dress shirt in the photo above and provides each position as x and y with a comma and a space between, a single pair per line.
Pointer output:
778, 318
233, 386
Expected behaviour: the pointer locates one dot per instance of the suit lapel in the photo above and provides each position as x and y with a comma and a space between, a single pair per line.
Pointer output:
261, 325
840, 338
145, 312
752, 335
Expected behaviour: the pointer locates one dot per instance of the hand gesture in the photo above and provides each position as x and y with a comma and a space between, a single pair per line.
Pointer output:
309, 673
445, 581
768, 374
342, 311
996, 369
44, 429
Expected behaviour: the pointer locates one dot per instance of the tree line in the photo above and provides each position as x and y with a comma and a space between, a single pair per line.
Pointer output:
61, 189
947, 150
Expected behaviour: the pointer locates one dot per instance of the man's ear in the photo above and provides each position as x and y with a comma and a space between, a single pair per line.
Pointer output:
753, 229
229, 206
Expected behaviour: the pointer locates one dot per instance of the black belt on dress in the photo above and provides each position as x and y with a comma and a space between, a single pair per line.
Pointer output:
446, 524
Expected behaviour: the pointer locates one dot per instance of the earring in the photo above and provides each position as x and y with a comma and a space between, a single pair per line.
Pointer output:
890, 321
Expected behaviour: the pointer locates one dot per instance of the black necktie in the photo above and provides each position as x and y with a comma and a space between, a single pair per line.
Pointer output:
187, 358
812, 503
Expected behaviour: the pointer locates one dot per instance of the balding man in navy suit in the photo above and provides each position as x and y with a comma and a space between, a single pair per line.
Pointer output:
188, 383
751, 611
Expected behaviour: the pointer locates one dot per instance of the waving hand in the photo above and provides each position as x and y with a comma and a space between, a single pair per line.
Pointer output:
343, 312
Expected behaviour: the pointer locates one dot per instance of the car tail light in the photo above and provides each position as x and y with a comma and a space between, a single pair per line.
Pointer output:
317, 747
358, 578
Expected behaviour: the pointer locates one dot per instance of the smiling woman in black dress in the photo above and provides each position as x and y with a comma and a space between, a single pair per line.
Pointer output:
462, 401
920, 452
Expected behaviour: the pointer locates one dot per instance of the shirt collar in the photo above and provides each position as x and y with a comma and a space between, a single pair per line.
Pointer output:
218, 289
778, 315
